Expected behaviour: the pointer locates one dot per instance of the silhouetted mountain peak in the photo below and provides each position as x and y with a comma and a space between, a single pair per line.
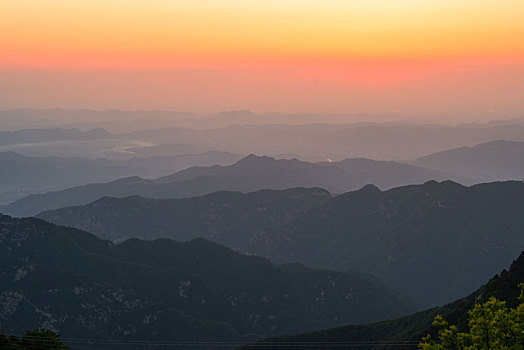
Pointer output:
447, 186
109, 200
99, 133
253, 159
431, 184
451, 184
368, 193
253, 156
131, 180
370, 188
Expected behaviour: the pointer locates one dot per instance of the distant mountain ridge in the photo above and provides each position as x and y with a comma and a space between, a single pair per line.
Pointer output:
310, 136
496, 160
80, 286
230, 217
397, 235
384, 141
53, 134
22, 175
248, 174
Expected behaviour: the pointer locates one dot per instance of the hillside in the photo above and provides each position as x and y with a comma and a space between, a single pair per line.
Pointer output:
228, 217
255, 172
23, 175
409, 330
73, 283
491, 161
397, 235
248, 174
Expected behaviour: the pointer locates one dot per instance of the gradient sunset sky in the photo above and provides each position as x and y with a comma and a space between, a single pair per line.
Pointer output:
415, 58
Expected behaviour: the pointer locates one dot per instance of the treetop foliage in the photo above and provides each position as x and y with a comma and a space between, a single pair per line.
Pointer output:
40, 339
492, 326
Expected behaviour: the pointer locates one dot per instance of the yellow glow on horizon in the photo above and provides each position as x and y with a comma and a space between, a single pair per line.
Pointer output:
134, 31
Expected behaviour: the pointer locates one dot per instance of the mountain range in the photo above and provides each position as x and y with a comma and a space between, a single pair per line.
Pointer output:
80, 286
405, 332
385, 141
491, 161
244, 132
22, 175
153, 229
52, 134
432, 242
248, 174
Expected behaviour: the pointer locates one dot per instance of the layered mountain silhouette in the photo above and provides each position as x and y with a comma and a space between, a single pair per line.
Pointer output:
491, 161
72, 282
22, 175
391, 141
433, 242
407, 331
244, 132
52, 134
167, 149
248, 174
230, 217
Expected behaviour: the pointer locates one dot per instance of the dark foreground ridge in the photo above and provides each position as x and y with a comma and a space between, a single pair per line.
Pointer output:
405, 332
75, 284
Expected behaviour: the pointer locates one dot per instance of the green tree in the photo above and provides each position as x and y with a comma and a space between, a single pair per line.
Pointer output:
8, 343
40, 339
492, 326
43, 339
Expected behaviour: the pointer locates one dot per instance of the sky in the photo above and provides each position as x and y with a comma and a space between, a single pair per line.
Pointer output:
407, 57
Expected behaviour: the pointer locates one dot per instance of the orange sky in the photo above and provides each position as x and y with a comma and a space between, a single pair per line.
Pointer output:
233, 53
